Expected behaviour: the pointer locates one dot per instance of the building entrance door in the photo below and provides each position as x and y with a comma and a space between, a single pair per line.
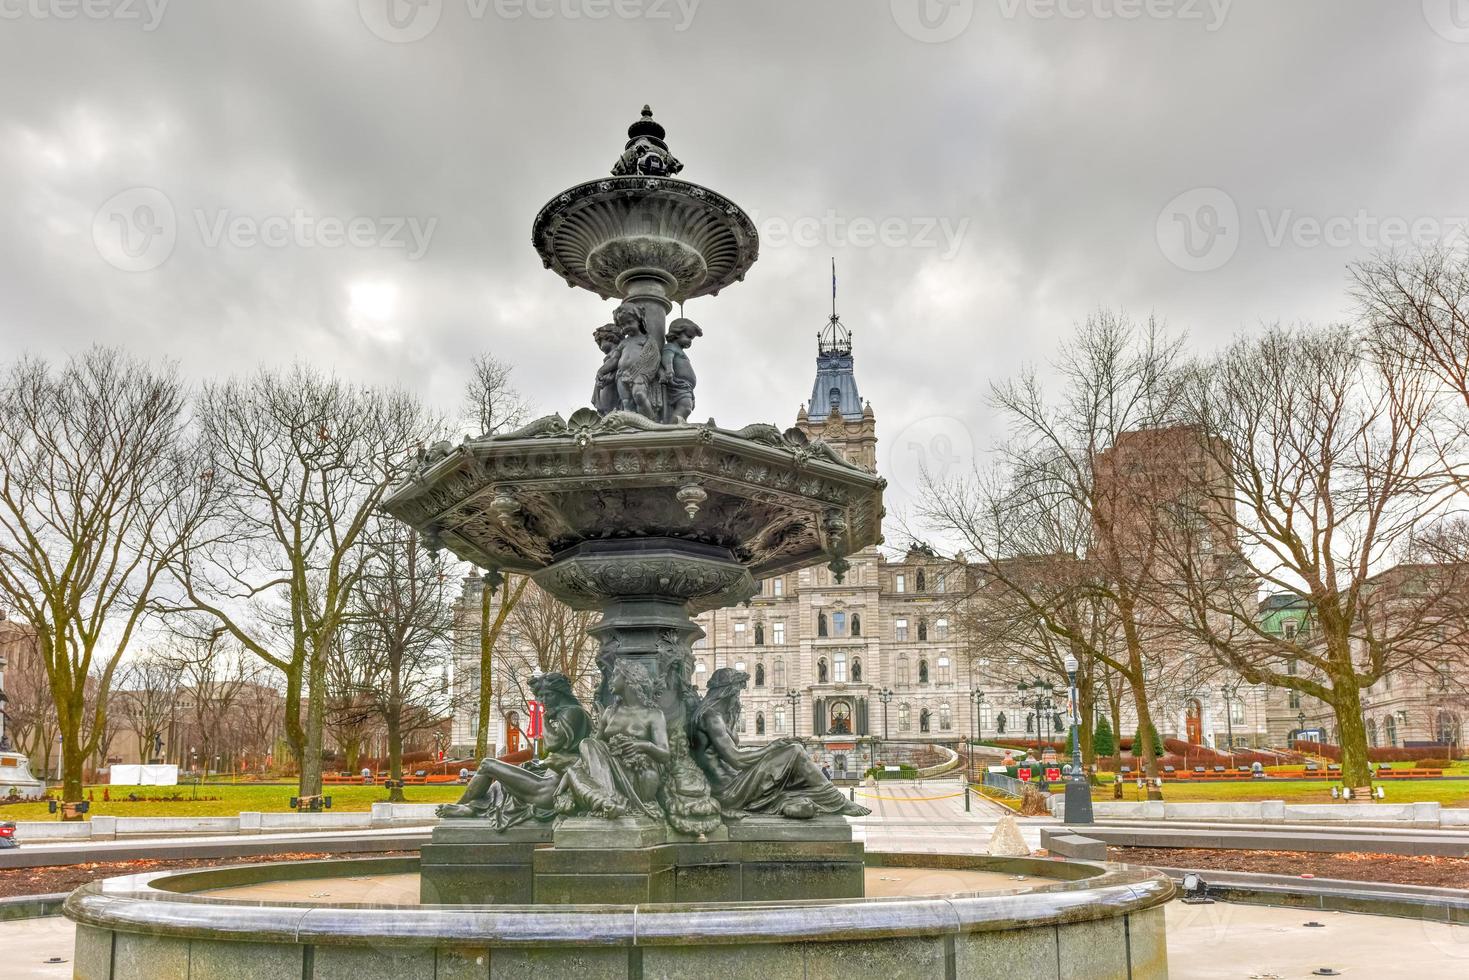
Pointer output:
1195, 720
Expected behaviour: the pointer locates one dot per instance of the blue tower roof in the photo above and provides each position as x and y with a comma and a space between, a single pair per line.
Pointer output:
836, 382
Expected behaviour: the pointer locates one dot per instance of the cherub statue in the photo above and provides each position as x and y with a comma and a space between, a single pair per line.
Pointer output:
778, 778
677, 371
638, 360
604, 393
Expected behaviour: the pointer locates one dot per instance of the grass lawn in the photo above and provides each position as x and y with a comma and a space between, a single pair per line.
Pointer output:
1446, 792
232, 800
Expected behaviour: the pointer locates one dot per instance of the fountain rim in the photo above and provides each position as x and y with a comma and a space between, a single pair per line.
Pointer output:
142, 903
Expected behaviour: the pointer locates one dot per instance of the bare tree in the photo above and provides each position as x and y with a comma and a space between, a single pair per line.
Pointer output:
1328, 471
1057, 497
212, 673
492, 405
99, 489
148, 695
401, 629
302, 462
553, 637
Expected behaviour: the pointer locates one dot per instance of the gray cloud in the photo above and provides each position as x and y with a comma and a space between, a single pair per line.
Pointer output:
1053, 135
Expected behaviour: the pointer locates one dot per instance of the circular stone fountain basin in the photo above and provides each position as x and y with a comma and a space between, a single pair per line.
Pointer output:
927, 915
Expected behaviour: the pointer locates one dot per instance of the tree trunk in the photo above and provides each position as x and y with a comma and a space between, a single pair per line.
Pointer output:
1086, 698
486, 668
1356, 768
73, 761
395, 753
310, 780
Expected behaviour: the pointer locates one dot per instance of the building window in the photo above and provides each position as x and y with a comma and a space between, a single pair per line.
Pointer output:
900, 583
778, 634
701, 642
739, 632
925, 720
838, 623
922, 629
780, 674
856, 624
821, 624
856, 670
945, 671
900, 630
780, 720
903, 719
778, 585
1290, 629
1290, 667
946, 720
923, 672
1236, 711
941, 629
759, 675
1294, 699
941, 582
700, 667
760, 723
922, 581
821, 671
903, 677
1372, 733
839, 668
759, 634
1390, 729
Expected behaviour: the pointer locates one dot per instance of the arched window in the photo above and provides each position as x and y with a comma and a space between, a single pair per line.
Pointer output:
1446, 728
925, 720
946, 720
941, 629
1372, 733
903, 720
780, 674
923, 671
759, 634
759, 675
760, 723
922, 629
838, 623
904, 678
856, 670
821, 671
922, 581
839, 667
1390, 730
780, 719
946, 675
821, 624
1000, 723
856, 624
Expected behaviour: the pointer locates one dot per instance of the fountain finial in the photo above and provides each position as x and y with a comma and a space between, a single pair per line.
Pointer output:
646, 153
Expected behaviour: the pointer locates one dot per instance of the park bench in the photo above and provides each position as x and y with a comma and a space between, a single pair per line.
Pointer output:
311, 804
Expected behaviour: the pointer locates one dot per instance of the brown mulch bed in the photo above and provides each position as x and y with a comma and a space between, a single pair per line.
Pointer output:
45, 881
1399, 869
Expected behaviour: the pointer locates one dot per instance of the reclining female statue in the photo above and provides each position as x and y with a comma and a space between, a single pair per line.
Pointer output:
778, 778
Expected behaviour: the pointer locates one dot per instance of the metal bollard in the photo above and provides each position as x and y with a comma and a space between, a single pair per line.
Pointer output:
966, 797
852, 793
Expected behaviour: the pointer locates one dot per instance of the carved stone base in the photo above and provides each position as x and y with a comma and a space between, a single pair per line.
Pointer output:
469, 862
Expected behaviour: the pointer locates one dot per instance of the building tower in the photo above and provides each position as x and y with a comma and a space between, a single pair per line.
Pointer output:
836, 412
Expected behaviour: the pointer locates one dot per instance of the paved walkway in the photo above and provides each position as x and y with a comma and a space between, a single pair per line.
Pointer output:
929, 817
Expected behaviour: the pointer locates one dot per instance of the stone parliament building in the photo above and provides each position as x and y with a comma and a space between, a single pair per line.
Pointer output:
874, 669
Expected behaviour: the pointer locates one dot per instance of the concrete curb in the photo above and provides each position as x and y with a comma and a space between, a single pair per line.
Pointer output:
1450, 905
31, 906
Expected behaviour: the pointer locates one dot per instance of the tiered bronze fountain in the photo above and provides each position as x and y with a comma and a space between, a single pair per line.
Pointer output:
630, 509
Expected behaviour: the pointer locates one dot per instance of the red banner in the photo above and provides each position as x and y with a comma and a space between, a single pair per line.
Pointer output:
1053, 774
1024, 775
536, 722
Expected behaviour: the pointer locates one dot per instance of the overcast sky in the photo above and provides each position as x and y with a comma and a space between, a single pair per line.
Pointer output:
177, 178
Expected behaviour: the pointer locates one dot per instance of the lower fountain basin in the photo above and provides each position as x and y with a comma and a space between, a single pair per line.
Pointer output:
952, 917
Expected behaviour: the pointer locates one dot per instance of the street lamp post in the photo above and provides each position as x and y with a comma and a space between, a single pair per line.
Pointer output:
885, 695
1078, 790
976, 698
794, 697
1039, 691
1300, 724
